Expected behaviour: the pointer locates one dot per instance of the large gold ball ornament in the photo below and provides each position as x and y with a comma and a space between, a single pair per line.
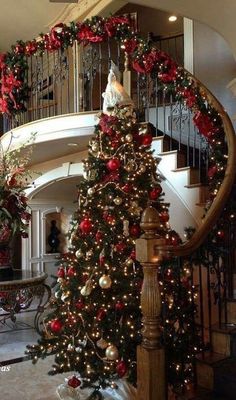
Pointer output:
112, 353
91, 191
79, 254
102, 344
105, 282
129, 138
117, 201
129, 262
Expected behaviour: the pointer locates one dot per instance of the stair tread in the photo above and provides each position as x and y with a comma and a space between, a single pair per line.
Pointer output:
209, 357
194, 185
224, 328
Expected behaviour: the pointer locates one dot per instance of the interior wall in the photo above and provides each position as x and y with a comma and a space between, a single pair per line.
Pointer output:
214, 64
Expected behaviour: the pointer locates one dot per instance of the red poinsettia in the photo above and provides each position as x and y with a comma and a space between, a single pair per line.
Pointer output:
205, 125
112, 23
86, 34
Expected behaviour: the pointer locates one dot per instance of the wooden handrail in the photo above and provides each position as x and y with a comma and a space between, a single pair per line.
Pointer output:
224, 191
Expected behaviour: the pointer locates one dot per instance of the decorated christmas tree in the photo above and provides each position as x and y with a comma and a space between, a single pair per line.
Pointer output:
93, 324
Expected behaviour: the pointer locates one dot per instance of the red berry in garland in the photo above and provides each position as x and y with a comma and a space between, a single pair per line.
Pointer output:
155, 193
74, 382
56, 326
113, 164
85, 226
164, 216
121, 368
135, 230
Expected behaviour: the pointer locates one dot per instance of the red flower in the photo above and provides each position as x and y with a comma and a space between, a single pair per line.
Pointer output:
86, 34
106, 124
2, 60
112, 23
4, 106
205, 125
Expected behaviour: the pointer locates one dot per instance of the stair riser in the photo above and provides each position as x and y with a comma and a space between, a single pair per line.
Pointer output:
221, 343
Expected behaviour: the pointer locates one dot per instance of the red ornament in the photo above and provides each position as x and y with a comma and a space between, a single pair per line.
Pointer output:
133, 255
164, 216
85, 226
98, 236
74, 382
212, 171
119, 247
220, 234
121, 368
79, 305
110, 219
146, 139
101, 314
71, 272
127, 187
56, 326
135, 230
61, 273
155, 193
119, 306
113, 164
102, 260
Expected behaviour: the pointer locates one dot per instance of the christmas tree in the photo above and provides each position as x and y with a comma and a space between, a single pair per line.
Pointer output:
93, 325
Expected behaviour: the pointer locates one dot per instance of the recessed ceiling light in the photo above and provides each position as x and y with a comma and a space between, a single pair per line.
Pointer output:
72, 144
172, 18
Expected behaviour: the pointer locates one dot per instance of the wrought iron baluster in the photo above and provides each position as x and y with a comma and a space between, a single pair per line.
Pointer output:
171, 123
209, 303
156, 105
100, 75
201, 302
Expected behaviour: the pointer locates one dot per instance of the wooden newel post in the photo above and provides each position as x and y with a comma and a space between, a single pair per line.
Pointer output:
150, 355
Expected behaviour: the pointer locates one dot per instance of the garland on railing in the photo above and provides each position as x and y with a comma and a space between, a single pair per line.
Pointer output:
145, 60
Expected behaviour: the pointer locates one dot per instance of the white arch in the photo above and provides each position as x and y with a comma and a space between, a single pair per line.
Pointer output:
67, 170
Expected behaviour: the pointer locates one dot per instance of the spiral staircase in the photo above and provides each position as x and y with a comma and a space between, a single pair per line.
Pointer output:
61, 119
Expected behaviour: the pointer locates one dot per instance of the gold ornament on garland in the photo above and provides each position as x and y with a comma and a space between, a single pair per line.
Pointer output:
79, 253
117, 200
105, 282
129, 138
112, 352
87, 288
102, 344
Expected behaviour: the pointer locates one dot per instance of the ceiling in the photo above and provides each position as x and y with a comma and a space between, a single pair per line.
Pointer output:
25, 19
55, 191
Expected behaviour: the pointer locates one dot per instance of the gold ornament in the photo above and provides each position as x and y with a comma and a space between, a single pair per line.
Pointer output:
129, 262
89, 254
105, 281
79, 254
65, 296
95, 146
129, 138
112, 352
142, 168
117, 201
102, 344
91, 191
131, 166
87, 288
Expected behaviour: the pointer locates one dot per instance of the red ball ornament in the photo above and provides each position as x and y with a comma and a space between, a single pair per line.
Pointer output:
71, 272
155, 193
121, 368
146, 139
220, 234
212, 171
113, 164
120, 247
85, 226
101, 314
61, 273
127, 188
56, 326
119, 306
79, 305
135, 230
164, 216
74, 382
98, 236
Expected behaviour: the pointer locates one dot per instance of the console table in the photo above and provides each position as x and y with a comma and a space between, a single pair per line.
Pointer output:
18, 288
